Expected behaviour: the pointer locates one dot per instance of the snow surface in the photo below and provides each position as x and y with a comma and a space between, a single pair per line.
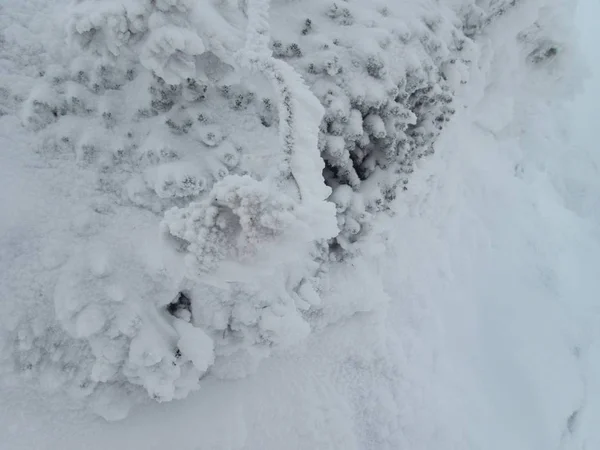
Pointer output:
477, 329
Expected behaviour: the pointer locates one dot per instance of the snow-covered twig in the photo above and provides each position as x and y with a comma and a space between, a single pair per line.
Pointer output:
300, 112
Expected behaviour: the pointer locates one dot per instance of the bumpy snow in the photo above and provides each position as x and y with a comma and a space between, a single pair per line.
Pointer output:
296, 225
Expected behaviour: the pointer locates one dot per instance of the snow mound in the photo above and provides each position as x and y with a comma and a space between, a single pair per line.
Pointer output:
266, 144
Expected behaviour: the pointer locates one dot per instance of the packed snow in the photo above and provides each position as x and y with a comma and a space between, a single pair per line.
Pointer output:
298, 225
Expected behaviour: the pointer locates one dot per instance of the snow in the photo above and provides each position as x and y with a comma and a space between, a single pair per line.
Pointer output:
196, 344
467, 320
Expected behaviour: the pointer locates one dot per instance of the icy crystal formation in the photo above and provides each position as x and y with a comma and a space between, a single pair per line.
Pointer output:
266, 149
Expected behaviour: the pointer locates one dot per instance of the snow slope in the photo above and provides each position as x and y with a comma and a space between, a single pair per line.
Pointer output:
485, 334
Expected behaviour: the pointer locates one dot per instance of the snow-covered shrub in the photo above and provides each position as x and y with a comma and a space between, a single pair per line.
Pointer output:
176, 126
382, 111
267, 150
249, 243
130, 341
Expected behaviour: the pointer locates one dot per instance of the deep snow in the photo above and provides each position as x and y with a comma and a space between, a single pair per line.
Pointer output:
488, 339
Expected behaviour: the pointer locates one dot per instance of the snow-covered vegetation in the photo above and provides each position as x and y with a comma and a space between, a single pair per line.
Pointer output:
213, 189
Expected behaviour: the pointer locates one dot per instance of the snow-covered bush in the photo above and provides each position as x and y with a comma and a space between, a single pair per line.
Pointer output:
382, 111
267, 149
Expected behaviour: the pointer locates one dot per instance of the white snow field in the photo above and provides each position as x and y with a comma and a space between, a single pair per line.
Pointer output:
299, 225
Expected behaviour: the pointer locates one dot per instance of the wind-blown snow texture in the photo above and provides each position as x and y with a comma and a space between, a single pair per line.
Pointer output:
199, 191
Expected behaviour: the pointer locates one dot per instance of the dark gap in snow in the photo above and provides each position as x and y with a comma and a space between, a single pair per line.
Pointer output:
572, 421
179, 305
